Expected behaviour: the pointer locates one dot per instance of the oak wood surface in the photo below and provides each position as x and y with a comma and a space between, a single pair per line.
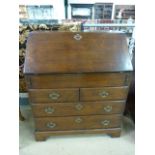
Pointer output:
59, 52
73, 83
42, 135
93, 94
78, 80
83, 108
71, 122
43, 95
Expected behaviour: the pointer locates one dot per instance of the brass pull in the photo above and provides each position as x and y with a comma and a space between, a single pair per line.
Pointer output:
51, 125
78, 120
103, 94
54, 95
108, 108
105, 122
79, 106
77, 37
49, 110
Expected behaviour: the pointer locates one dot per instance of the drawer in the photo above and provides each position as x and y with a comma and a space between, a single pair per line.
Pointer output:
85, 108
106, 93
53, 95
78, 80
78, 122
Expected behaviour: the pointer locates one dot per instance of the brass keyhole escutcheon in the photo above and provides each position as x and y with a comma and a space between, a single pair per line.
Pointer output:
79, 106
77, 37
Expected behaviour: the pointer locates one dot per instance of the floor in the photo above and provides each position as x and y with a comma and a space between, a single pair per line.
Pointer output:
77, 144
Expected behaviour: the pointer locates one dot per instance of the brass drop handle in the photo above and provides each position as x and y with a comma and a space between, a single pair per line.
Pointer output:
105, 122
78, 120
49, 110
104, 94
54, 95
78, 106
51, 125
108, 108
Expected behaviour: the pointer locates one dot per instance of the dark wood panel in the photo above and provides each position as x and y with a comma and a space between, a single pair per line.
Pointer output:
105, 93
84, 108
60, 52
78, 80
77, 122
42, 135
53, 95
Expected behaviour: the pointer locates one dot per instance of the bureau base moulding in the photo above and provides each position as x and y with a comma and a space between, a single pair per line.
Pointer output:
43, 135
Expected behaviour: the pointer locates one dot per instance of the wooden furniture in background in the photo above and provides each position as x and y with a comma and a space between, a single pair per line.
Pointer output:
81, 11
78, 82
127, 11
103, 10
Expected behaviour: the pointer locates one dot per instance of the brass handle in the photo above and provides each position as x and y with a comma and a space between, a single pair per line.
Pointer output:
77, 37
103, 94
49, 110
78, 120
79, 106
51, 125
105, 122
108, 108
54, 95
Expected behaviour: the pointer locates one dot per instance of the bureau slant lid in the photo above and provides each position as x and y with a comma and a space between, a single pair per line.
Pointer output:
68, 52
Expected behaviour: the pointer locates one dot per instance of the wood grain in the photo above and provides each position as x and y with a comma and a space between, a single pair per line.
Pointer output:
42, 135
69, 123
42, 95
83, 108
93, 94
77, 80
59, 52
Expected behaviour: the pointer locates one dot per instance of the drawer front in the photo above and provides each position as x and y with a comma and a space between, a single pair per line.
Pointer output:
78, 80
85, 108
78, 122
106, 93
53, 95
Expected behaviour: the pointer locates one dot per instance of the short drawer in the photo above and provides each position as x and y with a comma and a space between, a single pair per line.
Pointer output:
106, 93
78, 122
85, 108
53, 95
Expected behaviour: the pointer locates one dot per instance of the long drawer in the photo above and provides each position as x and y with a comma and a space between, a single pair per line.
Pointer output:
105, 93
77, 80
83, 108
53, 95
77, 122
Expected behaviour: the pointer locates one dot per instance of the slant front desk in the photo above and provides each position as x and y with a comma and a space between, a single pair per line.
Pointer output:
78, 82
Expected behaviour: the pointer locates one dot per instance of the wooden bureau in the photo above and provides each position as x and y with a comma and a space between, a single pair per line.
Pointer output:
77, 82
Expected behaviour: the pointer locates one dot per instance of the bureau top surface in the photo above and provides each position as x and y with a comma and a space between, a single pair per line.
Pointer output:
82, 52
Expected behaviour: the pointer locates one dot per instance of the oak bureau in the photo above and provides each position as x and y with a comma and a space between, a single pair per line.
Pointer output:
78, 82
